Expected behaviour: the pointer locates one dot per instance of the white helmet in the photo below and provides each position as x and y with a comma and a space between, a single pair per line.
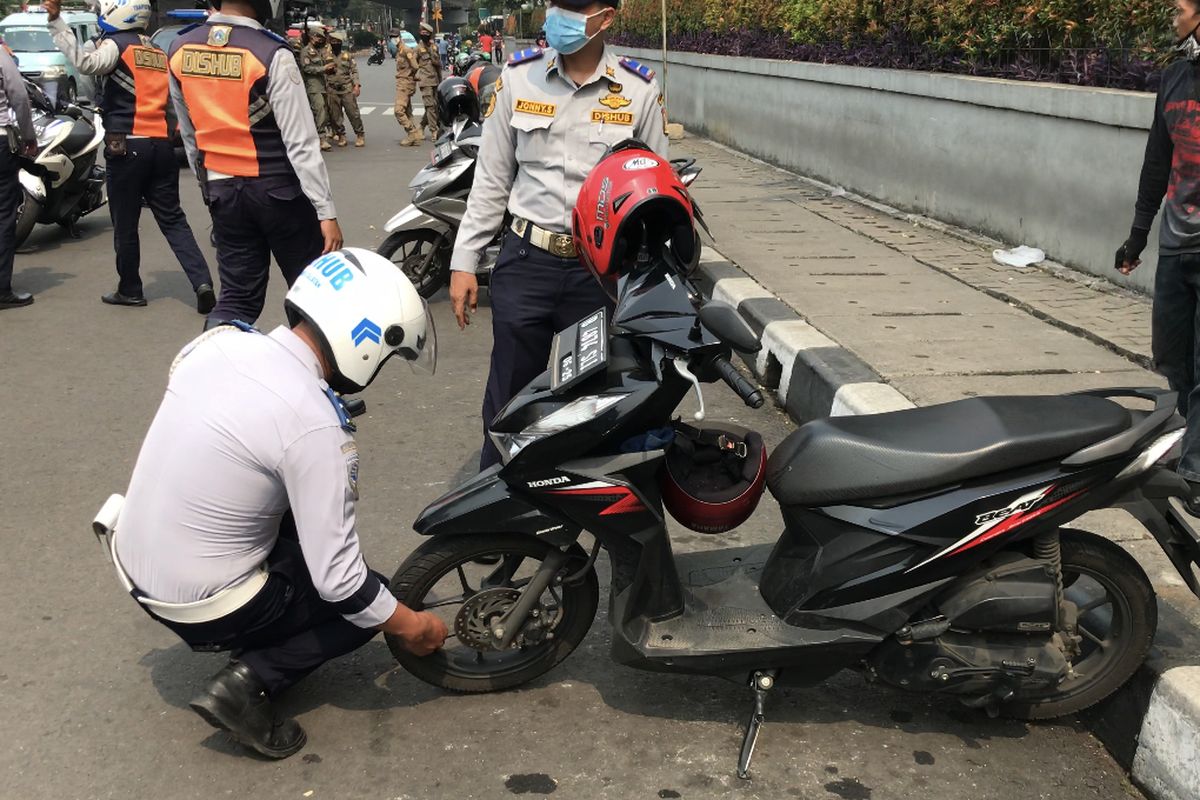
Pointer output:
123, 15
365, 311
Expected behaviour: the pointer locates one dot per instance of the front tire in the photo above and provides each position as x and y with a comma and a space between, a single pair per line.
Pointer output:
1118, 618
27, 217
444, 574
409, 250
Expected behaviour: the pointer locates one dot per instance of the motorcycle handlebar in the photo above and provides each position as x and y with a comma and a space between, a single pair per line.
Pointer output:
745, 390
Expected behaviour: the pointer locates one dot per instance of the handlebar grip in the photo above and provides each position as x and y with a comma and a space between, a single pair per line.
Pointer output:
750, 395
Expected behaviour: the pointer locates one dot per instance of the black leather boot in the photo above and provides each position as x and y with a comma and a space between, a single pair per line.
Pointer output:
235, 700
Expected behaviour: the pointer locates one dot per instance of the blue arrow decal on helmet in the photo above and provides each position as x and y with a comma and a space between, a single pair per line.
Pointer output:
366, 330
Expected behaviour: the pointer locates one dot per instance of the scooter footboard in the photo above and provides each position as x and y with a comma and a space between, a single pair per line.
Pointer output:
485, 504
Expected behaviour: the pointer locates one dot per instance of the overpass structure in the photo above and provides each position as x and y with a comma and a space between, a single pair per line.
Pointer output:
454, 12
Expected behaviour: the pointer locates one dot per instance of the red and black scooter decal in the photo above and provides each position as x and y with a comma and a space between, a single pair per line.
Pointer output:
620, 499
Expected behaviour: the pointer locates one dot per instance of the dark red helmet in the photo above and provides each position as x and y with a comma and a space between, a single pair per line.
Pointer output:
714, 476
632, 198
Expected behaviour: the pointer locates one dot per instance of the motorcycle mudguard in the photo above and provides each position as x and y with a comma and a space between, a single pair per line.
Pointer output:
485, 504
34, 185
412, 219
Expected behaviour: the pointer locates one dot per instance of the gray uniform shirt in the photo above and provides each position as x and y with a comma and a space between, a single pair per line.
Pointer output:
542, 137
92, 58
15, 109
289, 102
245, 432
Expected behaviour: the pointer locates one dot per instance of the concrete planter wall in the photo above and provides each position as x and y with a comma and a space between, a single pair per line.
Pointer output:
1051, 166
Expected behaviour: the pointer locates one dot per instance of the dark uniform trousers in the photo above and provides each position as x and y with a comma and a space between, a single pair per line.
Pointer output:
534, 294
10, 204
287, 630
148, 171
255, 218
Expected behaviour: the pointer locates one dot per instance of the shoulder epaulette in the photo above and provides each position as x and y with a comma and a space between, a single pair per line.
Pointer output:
188, 28
637, 68
532, 54
275, 36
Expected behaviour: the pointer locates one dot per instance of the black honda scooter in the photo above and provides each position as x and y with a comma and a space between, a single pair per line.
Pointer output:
926, 547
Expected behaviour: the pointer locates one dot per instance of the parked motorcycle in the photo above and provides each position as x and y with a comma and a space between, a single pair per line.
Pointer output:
63, 182
929, 548
421, 237
377, 55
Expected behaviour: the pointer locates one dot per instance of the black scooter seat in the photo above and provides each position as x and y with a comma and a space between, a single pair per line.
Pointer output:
844, 459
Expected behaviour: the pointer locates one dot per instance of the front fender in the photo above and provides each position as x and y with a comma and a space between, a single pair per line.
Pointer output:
412, 218
34, 185
485, 504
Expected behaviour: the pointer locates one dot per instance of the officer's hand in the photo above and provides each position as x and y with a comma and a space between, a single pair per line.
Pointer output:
51, 7
1127, 257
426, 634
356, 90
30, 149
333, 235
331, 68
464, 296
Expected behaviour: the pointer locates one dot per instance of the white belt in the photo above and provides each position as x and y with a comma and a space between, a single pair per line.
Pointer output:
559, 244
211, 608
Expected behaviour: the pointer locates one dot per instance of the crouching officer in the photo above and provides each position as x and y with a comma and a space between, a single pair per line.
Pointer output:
344, 88
138, 154
250, 138
238, 531
552, 118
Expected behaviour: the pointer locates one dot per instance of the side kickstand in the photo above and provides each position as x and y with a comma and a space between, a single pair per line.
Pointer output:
761, 683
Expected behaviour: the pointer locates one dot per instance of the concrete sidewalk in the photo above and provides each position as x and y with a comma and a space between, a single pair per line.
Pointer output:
862, 309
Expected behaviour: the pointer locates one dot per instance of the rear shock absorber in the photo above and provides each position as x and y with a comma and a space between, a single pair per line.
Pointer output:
1048, 548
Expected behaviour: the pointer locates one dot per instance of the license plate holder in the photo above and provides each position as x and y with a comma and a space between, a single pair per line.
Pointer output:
579, 352
442, 152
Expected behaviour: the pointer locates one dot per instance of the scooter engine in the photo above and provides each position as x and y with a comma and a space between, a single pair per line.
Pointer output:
991, 634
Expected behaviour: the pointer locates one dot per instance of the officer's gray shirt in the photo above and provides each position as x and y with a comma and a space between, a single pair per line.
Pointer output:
245, 432
542, 138
15, 108
293, 115
92, 58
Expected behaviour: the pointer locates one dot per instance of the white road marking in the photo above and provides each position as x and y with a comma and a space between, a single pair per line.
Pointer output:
364, 110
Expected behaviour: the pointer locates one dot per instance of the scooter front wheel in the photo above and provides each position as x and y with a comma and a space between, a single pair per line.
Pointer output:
422, 255
471, 582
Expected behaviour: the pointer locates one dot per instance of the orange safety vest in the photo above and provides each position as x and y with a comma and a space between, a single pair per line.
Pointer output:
135, 94
223, 71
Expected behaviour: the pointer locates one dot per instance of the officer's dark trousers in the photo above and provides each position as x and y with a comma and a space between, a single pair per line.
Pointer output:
10, 203
1175, 343
287, 630
255, 218
148, 171
534, 295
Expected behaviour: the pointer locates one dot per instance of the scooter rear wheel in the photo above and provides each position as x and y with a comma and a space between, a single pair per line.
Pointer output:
1118, 616
455, 578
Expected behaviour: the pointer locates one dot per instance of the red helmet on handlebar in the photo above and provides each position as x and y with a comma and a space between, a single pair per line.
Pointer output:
632, 199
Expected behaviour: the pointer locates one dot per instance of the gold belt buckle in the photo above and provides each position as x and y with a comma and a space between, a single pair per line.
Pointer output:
562, 245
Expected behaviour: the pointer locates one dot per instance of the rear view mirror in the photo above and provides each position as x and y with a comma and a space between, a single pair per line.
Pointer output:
724, 320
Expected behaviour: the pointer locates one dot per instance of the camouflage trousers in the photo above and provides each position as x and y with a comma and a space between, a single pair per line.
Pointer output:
429, 100
320, 109
403, 106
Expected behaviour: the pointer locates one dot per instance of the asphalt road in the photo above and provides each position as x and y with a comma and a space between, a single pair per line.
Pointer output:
93, 693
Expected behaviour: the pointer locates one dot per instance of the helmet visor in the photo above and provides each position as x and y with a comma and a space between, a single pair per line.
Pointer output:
425, 360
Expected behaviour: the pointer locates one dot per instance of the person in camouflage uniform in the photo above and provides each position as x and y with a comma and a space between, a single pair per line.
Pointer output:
429, 75
344, 87
316, 64
406, 84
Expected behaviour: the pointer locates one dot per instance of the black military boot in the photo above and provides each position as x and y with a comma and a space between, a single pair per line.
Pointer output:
235, 700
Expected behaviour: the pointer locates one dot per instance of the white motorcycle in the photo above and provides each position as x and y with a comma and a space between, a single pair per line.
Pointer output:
63, 182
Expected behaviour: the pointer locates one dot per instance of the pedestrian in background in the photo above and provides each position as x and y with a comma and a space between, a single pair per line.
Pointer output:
252, 142
1172, 167
553, 118
443, 46
344, 88
316, 63
485, 40
429, 75
16, 117
139, 158
406, 85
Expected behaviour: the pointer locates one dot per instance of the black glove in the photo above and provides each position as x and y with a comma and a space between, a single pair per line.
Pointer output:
1132, 248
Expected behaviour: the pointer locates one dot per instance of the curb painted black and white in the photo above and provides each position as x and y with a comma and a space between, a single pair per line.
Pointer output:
1152, 725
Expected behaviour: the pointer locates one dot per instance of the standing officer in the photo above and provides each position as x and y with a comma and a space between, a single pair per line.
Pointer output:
344, 87
553, 116
239, 529
252, 142
406, 84
17, 137
316, 62
429, 75
138, 155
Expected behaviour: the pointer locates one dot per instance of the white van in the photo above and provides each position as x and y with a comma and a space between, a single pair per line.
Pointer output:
28, 37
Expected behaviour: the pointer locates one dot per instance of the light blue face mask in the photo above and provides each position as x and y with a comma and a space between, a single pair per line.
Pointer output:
566, 31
